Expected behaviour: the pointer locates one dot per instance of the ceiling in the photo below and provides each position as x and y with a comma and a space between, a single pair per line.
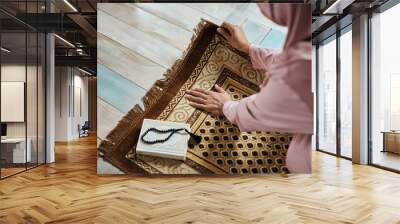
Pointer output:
331, 15
74, 22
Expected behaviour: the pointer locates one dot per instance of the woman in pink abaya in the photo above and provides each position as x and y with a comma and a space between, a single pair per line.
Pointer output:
285, 100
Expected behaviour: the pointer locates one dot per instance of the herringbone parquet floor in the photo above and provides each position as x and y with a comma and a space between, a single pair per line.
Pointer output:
70, 191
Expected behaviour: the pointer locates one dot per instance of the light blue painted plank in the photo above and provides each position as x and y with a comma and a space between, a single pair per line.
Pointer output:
104, 167
254, 31
116, 90
274, 39
237, 16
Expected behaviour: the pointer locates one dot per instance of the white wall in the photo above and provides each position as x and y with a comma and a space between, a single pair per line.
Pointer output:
70, 83
80, 109
12, 73
16, 73
61, 103
33, 126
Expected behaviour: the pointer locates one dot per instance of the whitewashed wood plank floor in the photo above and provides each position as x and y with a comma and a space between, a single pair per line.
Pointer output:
127, 62
140, 41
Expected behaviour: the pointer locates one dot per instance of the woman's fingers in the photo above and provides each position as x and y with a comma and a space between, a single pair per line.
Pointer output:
203, 91
197, 93
196, 99
225, 34
206, 100
219, 89
229, 26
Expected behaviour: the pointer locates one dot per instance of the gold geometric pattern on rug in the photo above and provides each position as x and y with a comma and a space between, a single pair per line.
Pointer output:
236, 152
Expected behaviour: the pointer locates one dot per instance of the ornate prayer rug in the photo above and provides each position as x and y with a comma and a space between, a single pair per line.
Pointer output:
208, 60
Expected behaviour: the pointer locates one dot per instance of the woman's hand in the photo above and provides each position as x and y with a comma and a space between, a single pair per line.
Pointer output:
235, 36
207, 100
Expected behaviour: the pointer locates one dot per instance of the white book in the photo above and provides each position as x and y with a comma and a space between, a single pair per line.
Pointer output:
174, 148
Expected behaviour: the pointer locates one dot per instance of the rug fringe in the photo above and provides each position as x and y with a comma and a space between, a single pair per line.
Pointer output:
122, 129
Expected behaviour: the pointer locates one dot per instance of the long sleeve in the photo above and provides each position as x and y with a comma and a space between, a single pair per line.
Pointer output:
279, 106
262, 58
265, 111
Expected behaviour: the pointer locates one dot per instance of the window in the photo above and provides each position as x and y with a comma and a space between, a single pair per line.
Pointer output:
327, 97
394, 102
385, 89
333, 106
22, 78
346, 93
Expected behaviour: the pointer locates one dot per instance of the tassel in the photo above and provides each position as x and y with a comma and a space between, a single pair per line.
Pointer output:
195, 137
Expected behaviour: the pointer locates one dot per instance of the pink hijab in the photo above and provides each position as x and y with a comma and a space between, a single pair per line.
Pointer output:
297, 18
